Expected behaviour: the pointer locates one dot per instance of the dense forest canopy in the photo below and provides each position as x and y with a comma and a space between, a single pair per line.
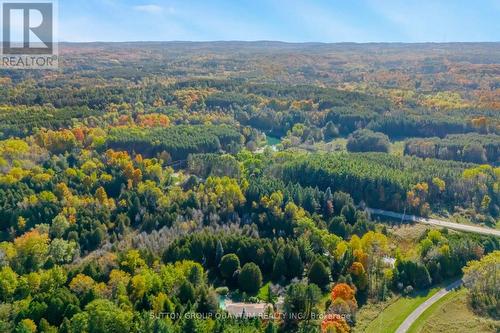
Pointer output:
143, 184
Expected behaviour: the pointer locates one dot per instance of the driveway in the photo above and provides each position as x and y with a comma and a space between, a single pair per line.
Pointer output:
425, 305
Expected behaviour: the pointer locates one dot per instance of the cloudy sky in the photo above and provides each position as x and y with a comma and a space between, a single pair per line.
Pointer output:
284, 20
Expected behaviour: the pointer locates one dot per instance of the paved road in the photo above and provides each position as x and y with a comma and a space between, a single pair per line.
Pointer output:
439, 223
403, 328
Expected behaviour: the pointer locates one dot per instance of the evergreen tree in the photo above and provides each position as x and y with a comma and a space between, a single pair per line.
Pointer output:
229, 264
319, 274
279, 268
250, 278
219, 252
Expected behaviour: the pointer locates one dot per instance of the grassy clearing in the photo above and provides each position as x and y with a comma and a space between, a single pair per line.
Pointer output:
417, 326
336, 145
369, 312
405, 236
452, 314
390, 319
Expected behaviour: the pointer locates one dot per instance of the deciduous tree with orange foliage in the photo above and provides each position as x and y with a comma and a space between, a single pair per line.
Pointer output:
345, 292
153, 120
344, 302
334, 324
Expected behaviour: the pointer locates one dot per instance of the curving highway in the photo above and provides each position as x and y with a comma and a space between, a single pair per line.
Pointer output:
435, 222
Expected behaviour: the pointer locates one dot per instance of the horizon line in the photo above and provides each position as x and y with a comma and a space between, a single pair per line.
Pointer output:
274, 41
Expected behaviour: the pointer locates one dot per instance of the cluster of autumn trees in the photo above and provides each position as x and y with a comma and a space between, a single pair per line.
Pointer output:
77, 200
271, 108
400, 183
442, 256
422, 123
366, 140
109, 157
473, 148
353, 266
177, 141
481, 280
21, 121
117, 293
62, 200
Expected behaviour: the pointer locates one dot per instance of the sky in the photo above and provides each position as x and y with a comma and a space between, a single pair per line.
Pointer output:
280, 20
